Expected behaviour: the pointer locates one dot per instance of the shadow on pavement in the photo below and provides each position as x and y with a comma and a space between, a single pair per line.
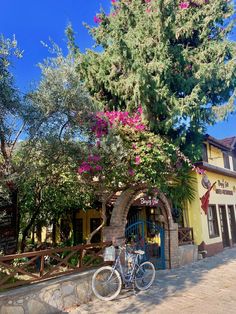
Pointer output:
175, 282
168, 284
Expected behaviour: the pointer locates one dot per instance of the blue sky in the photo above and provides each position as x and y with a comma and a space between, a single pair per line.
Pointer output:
33, 21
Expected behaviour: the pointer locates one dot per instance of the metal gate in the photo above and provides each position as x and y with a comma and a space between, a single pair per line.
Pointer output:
136, 234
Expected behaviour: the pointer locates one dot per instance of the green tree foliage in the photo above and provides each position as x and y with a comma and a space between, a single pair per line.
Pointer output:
11, 118
38, 176
60, 100
49, 189
59, 107
11, 125
172, 57
9, 96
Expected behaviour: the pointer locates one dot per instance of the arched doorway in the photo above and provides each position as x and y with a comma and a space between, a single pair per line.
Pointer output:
145, 228
119, 215
137, 235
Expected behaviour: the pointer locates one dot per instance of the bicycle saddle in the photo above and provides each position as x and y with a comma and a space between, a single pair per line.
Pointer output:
140, 252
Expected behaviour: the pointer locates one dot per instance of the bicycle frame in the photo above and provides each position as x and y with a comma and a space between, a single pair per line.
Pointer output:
133, 275
126, 278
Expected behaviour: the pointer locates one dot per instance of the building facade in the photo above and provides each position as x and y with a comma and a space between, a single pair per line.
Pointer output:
212, 213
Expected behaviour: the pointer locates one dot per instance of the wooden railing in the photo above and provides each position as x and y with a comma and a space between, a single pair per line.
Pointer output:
20, 269
185, 236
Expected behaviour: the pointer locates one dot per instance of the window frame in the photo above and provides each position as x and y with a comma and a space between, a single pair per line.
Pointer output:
212, 221
226, 160
234, 162
204, 152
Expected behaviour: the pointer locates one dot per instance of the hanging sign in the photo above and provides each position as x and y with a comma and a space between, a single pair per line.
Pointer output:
149, 201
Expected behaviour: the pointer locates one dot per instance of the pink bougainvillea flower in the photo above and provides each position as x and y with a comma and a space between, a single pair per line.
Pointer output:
140, 110
134, 146
98, 168
140, 127
149, 145
131, 172
147, 1
94, 158
97, 19
104, 120
198, 170
113, 1
137, 160
85, 167
183, 5
100, 126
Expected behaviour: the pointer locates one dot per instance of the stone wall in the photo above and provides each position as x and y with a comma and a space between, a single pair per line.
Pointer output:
113, 234
188, 254
172, 247
51, 296
177, 256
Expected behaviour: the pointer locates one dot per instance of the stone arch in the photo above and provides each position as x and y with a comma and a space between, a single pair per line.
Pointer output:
125, 200
116, 230
122, 206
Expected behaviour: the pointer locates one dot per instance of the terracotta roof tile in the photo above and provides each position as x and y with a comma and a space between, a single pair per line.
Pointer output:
229, 141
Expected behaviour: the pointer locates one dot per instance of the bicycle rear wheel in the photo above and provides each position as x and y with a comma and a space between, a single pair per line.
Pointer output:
144, 276
106, 283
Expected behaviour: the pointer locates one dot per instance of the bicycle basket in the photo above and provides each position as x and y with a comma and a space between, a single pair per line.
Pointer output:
109, 254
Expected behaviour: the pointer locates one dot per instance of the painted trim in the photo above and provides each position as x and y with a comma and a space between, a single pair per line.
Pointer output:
216, 169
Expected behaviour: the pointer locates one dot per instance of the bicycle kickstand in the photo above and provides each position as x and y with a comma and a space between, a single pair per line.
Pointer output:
134, 291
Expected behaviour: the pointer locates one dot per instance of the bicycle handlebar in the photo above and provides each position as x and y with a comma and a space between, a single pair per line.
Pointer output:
124, 247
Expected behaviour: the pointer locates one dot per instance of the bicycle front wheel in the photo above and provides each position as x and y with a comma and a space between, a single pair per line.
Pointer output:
144, 276
106, 283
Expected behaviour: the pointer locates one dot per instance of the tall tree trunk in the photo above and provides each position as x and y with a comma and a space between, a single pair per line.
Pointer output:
27, 229
38, 203
13, 193
104, 220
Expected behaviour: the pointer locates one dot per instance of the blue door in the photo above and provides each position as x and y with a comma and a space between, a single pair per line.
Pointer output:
154, 247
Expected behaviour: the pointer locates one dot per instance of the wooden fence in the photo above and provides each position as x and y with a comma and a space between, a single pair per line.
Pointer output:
20, 269
185, 236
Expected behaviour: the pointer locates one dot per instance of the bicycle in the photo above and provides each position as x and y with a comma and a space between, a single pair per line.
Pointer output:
107, 281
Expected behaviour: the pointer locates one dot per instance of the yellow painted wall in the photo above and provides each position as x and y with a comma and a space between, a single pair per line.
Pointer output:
215, 156
44, 234
86, 216
197, 217
218, 199
194, 215
49, 239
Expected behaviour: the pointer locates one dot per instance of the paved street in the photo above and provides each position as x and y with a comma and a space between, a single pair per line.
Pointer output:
207, 286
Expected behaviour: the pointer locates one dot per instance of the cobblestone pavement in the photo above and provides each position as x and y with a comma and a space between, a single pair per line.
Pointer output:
207, 286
